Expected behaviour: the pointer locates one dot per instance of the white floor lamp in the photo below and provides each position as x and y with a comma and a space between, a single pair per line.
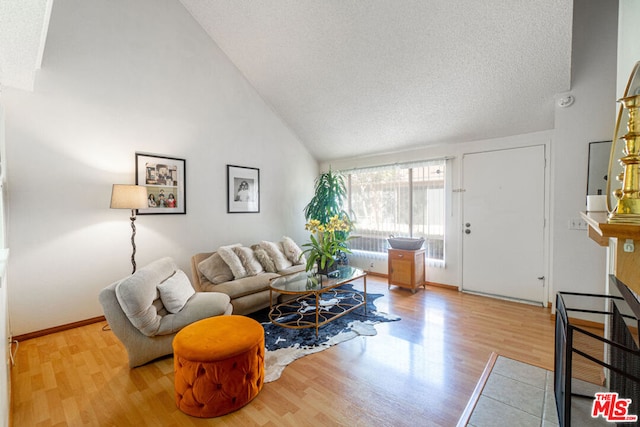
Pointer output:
132, 197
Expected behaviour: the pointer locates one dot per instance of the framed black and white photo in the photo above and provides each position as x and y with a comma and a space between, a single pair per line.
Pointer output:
164, 178
243, 189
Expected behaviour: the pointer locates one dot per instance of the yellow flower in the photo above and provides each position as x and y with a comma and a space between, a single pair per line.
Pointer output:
312, 225
335, 224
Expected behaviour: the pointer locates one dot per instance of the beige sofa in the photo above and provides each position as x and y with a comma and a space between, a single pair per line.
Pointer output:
219, 271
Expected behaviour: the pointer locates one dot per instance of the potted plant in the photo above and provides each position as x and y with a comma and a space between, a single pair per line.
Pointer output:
329, 221
327, 241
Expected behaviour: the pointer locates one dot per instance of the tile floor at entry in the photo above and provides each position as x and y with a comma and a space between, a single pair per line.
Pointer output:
519, 394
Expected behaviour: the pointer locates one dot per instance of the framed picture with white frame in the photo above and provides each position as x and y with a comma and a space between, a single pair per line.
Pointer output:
243, 189
164, 178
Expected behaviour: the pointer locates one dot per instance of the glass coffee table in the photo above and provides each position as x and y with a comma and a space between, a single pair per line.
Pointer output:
310, 300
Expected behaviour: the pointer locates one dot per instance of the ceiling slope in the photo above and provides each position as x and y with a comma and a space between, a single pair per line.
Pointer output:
23, 32
361, 77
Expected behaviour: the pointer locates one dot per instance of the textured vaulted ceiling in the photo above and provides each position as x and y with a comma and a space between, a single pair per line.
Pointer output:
353, 77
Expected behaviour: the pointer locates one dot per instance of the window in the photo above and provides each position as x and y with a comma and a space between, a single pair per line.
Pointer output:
399, 200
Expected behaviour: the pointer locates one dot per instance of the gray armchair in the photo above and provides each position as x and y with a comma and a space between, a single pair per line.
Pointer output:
146, 309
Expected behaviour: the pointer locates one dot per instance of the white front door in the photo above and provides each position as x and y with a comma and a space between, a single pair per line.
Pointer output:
503, 223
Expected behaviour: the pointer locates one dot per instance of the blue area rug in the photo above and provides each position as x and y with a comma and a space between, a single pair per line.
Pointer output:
284, 345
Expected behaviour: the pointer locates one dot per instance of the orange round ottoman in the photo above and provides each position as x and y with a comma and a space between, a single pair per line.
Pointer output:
218, 365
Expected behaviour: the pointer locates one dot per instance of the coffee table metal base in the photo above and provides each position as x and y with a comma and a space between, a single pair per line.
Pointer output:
316, 308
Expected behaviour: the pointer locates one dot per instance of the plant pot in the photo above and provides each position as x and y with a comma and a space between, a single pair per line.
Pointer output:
342, 259
328, 269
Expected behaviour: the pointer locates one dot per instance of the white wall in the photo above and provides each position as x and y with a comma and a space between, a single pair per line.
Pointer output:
574, 261
120, 77
628, 46
578, 263
5, 333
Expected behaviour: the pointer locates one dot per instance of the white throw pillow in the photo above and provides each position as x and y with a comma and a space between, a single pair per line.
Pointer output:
292, 251
232, 260
248, 260
273, 249
176, 291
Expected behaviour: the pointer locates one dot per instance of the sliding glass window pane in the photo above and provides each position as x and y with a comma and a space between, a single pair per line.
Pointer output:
428, 208
381, 203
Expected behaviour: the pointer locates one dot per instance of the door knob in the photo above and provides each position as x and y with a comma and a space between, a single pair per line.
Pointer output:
467, 225
467, 231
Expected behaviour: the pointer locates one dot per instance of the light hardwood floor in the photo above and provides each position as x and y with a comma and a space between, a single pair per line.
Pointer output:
419, 371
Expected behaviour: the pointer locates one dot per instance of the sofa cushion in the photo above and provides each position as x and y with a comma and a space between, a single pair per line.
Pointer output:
232, 260
246, 286
137, 295
292, 251
293, 269
248, 260
264, 259
175, 291
215, 269
275, 252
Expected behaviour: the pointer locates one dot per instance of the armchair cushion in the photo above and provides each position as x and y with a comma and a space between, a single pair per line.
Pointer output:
144, 347
201, 305
138, 292
176, 291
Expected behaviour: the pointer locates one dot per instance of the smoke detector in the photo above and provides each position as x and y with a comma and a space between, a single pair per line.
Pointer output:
566, 101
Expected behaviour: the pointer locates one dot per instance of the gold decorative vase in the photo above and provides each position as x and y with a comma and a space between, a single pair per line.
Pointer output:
627, 198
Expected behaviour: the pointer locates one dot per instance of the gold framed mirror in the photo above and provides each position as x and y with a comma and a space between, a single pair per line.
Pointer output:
623, 201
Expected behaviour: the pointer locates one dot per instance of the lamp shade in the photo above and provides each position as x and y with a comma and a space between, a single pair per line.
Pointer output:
125, 196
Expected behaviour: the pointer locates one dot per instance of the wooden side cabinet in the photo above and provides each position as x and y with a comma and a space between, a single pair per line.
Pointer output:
406, 269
